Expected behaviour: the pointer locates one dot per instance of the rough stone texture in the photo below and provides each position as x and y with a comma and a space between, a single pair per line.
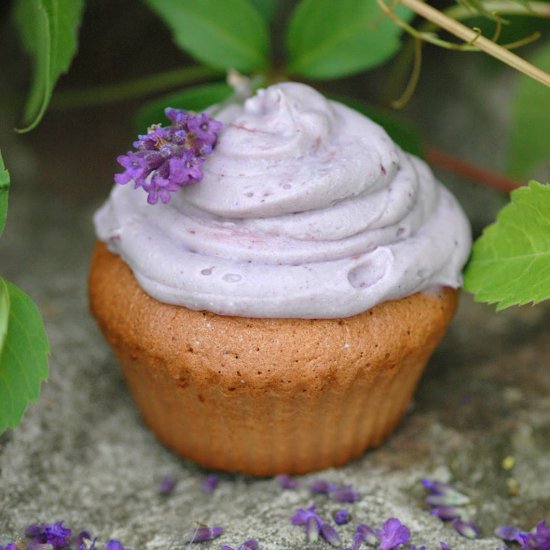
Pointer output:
83, 454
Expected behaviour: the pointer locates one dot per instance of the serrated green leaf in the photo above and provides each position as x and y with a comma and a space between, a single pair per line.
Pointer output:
49, 31
232, 35
23, 355
529, 144
197, 98
328, 39
4, 190
510, 262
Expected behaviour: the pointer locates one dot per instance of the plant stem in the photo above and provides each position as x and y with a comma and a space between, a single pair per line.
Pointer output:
446, 161
122, 91
472, 37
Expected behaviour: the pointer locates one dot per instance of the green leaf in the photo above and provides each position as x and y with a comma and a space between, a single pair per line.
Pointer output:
399, 130
223, 35
328, 39
23, 354
268, 8
4, 189
197, 98
510, 262
529, 144
49, 32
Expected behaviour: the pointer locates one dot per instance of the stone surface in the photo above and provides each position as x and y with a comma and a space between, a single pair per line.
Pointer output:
83, 454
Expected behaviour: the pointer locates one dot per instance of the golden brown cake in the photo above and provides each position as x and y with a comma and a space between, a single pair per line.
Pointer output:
266, 396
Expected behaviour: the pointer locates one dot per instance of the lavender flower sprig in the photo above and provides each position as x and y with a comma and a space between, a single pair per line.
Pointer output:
168, 158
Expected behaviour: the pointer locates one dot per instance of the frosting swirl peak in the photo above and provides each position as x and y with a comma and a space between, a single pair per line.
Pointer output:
306, 209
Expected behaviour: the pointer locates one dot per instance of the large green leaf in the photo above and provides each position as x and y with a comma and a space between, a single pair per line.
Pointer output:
510, 263
329, 39
49, 32
224, 35
268, 8
197, 98
530, 124
23, 354
4, 188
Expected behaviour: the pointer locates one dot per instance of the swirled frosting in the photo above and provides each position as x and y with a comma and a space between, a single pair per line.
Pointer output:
306, 209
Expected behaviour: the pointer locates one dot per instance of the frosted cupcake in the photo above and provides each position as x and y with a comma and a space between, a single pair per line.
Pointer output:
276, 316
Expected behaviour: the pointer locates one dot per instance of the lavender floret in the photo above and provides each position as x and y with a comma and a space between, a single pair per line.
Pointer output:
393, 534
287, 482
114, 544
203, 533
210, 483
329, 533
467, 529
341, 517
168, 158
166, 485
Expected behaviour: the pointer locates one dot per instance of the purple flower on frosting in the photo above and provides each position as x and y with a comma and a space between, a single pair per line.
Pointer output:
49, 533
287, 482
537, 539
168, 158
166, 485
339, 493
310, 520
115, 545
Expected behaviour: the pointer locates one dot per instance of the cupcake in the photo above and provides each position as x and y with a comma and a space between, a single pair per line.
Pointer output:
276, 315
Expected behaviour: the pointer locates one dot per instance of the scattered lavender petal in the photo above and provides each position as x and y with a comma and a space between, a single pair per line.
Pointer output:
413, 547
210, 483
435, 487
166, 485
114, 544
251, 544
320, 486
447, 513
287, 482
445, 546
341, 517
366, 533
344, 494
510, 533
329, 533
450, 498
393, 534
301, 516
467, 529
313, 529
203, 533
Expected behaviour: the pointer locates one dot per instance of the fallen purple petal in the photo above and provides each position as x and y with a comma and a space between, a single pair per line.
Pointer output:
166, 485
210, 483
366, 534
435, 487
313, 529
329, 533
114, 544
320, 486
393, 534
301, 516
450, 498
287, 482
203, 533
344, 494
510, 533
467, 529
251, 544
445, 546
447, 513
341, 517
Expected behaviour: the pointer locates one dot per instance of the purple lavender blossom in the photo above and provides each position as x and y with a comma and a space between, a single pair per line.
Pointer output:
287, 482
49, 533
311, 520
447, 513
393, 534
338, 493
445, 546
166, 485
435, 487
467, 529
115, 545
168, 158
538, 539
210, 483
80, 541
509, 533
413, 547
341, 517
9, 546
203, 533
329, 533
